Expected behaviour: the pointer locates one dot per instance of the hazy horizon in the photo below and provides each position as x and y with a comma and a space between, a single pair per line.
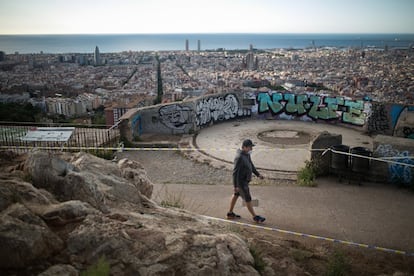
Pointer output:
211, 33
42, 17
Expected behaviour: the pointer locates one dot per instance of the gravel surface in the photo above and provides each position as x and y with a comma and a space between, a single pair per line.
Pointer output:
170, 167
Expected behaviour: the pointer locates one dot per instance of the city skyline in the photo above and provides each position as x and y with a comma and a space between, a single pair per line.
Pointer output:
215, 16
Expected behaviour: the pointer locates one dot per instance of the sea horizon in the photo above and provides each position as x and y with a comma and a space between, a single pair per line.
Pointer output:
120, 42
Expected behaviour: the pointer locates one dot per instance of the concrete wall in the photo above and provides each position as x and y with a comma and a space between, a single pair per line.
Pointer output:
190, 116
374, 118
391, 119
394, 149
183, 117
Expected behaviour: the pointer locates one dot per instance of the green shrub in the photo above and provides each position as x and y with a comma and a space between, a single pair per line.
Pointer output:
338, 265
307, 175
172, 199
259, 263
101, 268
102, 153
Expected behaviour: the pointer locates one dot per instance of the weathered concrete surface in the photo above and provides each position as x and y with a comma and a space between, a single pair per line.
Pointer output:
391, 149
220, 142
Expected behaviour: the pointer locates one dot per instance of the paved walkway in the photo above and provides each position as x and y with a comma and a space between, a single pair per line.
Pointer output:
373, 214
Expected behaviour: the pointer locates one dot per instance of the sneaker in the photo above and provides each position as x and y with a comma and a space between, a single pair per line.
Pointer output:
259, 219
231, 215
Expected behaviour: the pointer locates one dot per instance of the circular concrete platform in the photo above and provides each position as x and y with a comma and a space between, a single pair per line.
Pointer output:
280, 145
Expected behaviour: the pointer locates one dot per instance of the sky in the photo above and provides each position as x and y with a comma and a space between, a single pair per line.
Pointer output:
205, 16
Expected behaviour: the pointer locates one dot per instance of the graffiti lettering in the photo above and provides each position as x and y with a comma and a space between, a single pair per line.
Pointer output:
315, 107
321, 109
354, 114
398, 173
220, 108
295, 104
175, 116
265, 102
378, 122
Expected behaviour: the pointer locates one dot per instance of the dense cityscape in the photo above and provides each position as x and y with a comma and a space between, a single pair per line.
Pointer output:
73, 85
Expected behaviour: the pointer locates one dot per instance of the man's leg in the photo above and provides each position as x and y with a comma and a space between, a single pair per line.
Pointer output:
233, 202
250, 208
245, 193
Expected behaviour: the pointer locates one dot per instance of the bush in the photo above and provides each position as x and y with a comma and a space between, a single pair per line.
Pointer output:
307, 175
259, 263
338, 265
101, 268
173, 200
102, 153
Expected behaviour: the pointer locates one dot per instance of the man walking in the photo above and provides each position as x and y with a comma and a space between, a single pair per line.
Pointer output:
242, 175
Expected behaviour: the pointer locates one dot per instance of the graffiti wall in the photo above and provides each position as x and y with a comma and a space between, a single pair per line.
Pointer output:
313, 107
175, 116
400, 173
185, 117
379, 119
391, 119
136, 126
219, 108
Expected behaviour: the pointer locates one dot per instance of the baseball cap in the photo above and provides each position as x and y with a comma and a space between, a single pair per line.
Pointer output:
248, 143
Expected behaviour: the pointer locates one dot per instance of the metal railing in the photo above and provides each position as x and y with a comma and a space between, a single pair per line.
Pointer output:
12, 136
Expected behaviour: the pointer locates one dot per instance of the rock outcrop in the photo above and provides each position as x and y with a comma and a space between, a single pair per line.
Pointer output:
65, 212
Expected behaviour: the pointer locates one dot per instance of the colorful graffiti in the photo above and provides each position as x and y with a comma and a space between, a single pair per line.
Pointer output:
404, 122
136, 127
378, 121
175, 116
219, 108
316, 107
391, 119
398, 173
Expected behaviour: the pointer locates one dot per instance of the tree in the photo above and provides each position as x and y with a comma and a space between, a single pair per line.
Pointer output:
160, 92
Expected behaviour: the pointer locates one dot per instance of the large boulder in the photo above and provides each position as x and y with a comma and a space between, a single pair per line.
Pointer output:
135, 173
13, 190
166, 243
133, 236
25, 239
90, 179
66, 212
47, 171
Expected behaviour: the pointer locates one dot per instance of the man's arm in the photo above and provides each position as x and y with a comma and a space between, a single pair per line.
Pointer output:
255, 171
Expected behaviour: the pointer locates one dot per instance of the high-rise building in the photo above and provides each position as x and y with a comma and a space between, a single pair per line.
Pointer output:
97, 57
198, 45
251, 62
186, 45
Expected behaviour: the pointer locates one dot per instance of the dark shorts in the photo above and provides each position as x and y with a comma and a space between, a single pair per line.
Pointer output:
244, 192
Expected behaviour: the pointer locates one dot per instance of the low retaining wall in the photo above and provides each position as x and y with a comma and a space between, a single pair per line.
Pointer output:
190, 116
399, 152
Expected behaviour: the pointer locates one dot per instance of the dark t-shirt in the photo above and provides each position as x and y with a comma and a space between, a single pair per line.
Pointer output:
243, 169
